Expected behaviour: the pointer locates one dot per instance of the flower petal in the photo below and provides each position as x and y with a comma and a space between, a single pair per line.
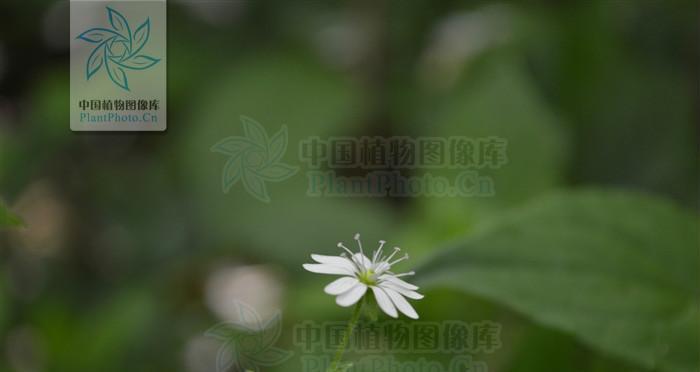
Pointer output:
327, 269
341, 285
384, 302
362, 260
381, 268
351, 297
399, 282
401, 303
403, 291
335, 261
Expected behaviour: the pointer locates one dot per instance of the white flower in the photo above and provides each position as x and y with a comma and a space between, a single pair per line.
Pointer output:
359, 273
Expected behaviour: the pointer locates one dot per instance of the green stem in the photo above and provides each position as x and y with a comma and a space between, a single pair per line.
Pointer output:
346, 338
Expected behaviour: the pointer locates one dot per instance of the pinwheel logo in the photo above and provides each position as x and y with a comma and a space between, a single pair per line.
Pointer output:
248, 343
254, 159
118, 49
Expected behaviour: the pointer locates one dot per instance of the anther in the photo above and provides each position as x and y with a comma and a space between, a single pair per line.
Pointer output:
341, 245
359, 243
396, 250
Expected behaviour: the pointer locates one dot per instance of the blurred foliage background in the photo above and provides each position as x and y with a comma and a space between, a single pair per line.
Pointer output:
131, 251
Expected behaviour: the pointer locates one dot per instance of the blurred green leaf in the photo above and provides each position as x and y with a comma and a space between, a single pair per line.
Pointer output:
310, 100
7, 218
498, 98
4, 306
108, 336
617, 270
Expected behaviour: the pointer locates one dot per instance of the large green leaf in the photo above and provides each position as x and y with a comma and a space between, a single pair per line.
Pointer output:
497, 98
7, 218
617, 270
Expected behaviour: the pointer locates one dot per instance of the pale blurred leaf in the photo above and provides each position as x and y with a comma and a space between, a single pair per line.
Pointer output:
617, 270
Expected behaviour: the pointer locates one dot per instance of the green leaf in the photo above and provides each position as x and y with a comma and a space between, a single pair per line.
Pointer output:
497, 98
501, 99
617, 270
313, 101
8, 219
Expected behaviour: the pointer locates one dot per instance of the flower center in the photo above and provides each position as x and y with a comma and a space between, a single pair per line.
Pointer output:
367, 277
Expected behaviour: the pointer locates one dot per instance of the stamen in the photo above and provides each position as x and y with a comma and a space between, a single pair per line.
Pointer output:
352, 256
405, 257
341, 245
396, 250
410, 273
378, 251
359, 243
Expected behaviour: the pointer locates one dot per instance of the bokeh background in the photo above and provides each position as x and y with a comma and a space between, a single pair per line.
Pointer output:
131, 250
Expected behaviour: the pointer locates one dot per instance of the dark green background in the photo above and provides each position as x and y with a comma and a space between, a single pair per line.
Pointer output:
125, 231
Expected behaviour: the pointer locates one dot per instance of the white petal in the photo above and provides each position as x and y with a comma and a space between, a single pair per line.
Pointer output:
384, 302
399, 282
335, 261
351, 297
381, 268
403, 291
401, 303
341, 285
363, 260
327, 269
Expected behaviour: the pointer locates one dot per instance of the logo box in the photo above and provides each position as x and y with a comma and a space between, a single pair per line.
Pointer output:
118, 65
